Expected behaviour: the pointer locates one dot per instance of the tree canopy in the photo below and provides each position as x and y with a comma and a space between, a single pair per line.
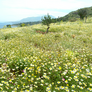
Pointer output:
82, 13
46, 21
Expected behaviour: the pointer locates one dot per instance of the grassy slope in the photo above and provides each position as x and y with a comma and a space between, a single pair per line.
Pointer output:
57, 61
73, 16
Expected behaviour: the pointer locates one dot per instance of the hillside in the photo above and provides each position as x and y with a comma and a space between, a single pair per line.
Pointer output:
73, 16
60, 61
33, 19
30, 20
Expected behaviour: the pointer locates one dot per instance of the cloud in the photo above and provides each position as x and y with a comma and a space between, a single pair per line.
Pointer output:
48, 4
17, 14
18, 9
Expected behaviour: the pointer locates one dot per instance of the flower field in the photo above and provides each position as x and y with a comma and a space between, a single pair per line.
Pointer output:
60, 61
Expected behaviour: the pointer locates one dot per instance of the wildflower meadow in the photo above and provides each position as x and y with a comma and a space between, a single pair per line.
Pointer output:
59, 61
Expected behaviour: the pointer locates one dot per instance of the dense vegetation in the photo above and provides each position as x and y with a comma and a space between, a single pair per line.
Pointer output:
73, 16
27, 23
60, 61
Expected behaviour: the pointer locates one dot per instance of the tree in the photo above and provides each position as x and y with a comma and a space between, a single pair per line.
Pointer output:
22, 25
46, 21
82, 13
8, 26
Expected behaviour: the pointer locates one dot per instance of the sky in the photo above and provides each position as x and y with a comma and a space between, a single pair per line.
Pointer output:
15, 10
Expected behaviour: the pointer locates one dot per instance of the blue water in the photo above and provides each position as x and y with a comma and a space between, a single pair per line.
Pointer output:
3, 24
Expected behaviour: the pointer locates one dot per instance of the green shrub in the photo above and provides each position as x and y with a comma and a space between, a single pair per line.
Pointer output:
8, 26
22, 25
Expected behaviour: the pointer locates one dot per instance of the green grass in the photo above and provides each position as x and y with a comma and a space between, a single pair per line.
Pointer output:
60, 61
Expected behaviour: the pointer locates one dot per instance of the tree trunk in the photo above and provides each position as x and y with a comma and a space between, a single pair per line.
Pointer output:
48, 29
85, 19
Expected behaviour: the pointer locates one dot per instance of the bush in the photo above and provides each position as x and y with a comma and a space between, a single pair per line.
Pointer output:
8, 26
22, 25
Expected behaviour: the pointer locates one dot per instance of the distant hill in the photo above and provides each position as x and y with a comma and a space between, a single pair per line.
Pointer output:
73, 16
30, 20
33, 19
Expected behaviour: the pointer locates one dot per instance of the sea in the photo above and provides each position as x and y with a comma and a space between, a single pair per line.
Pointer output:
4, 24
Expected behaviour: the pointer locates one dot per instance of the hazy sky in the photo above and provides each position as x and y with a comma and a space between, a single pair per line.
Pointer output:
13, 10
